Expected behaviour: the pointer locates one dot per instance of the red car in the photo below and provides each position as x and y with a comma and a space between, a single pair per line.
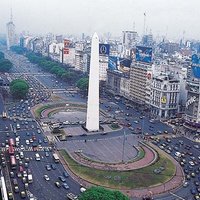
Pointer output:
139, 128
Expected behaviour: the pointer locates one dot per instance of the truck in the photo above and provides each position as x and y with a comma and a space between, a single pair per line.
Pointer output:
30, 178
72, 196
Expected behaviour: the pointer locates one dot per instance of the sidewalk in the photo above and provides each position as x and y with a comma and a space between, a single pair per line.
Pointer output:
172, 184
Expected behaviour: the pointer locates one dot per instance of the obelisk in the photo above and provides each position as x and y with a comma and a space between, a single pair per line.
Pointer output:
92, 121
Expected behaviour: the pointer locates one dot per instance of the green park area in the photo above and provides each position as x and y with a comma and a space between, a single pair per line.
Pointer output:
157, 173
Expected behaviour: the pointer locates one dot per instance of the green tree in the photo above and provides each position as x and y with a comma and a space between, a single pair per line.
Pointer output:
95, 193
18, 49
83, 83
19, 88
5, 65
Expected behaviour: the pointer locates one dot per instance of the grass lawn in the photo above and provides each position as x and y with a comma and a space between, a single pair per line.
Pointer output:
140, 178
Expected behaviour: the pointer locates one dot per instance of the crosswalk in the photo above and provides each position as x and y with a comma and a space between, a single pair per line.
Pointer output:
4, 149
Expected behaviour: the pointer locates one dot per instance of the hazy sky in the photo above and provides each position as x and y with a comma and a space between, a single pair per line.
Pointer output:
87, 16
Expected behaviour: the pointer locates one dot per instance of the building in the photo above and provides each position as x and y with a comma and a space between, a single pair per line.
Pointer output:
11, 37
192, 108
164, 101
140, 76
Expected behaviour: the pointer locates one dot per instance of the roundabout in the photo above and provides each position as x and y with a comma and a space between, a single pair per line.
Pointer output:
123, 163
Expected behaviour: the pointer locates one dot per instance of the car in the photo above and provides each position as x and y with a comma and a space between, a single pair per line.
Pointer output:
45, 140
47, 154
53, 166
10, 195
139, 128
57, 184
193, 191
23, 194
185, 184
191, 163
48, 167
104, 133
65, 174
196, 197
12, 174
62, 178
16, 189
196, 183
27, 159
19, 174
65, 186
26, 186
25, 173
27, 142
39, 141
46, 177
24, 180
136, 122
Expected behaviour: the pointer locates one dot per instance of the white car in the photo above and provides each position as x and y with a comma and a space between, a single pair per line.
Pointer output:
191, 163
27, 142
46, 177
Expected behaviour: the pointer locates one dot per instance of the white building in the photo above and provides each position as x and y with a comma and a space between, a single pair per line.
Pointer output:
11, 36
164, 101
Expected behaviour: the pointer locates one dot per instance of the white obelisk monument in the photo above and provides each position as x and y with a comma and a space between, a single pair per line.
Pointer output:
92, 121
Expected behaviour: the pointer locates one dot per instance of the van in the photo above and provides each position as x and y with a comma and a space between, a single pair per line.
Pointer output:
82, 189
178, 154
17, 141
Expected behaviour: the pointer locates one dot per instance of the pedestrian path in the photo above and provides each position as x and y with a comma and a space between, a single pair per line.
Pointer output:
4, 149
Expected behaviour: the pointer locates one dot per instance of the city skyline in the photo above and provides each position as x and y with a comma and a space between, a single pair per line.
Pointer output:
172, 19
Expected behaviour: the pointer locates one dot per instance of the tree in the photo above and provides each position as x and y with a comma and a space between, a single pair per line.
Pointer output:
95, 193
5, 65
83, 83
19, 88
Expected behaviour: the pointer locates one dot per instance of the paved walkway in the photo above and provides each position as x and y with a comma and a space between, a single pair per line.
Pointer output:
172, 184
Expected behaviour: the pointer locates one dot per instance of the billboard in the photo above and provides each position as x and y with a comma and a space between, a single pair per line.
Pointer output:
66, 51
104, 49
117, 63
66, 43
196, 65
143, 54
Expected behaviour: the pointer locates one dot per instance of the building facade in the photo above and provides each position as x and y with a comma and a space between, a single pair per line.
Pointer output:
11, 37
164, 101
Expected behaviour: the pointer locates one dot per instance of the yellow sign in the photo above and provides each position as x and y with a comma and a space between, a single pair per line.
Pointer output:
163, 100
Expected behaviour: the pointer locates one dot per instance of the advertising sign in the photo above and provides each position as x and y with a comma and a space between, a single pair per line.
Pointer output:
66, 43
104, 49
66, 51
143, 54
196, 65
116, 63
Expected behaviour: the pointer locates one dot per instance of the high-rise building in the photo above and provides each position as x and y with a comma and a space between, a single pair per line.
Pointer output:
11, 36
140, 75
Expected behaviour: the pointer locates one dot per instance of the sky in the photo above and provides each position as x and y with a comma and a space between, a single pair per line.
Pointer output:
171, 18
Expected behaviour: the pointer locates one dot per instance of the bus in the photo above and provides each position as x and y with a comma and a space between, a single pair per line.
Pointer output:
11, 150
56, 158
13, 162
11, 142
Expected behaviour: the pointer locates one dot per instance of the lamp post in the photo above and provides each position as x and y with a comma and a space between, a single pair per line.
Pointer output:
123, 146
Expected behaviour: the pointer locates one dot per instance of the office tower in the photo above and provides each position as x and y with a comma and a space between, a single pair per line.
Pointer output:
11, 36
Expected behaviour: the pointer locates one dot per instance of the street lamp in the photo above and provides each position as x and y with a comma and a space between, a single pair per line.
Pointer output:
123, 146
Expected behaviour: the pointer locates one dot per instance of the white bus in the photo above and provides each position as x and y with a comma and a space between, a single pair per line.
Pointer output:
56, 158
